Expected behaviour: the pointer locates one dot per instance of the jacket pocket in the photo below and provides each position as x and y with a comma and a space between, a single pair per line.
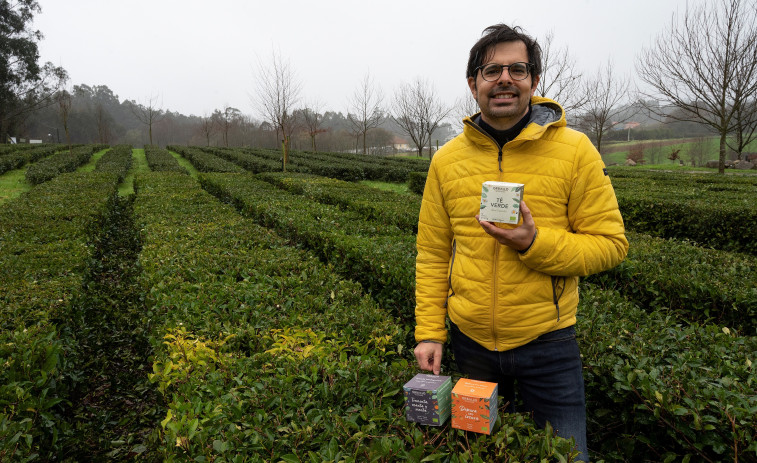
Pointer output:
450, 289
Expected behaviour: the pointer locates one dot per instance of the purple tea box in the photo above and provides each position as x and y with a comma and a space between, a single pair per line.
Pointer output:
428, 399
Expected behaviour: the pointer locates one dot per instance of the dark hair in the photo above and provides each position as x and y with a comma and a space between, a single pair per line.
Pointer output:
499, 33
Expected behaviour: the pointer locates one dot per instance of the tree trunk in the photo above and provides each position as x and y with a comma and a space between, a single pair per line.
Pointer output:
285, 149
721, 164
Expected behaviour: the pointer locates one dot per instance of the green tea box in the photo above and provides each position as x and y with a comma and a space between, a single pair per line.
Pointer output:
500, 202
474, 405
427, 399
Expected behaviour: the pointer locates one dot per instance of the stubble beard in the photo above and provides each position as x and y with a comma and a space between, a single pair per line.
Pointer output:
516, 108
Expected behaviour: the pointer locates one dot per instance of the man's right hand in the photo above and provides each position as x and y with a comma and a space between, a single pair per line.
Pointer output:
429, 356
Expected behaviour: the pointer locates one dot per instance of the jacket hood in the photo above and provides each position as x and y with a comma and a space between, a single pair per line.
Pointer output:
544, 113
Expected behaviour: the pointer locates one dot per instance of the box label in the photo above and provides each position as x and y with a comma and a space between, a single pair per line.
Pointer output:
427, 399
474, 405
500, 202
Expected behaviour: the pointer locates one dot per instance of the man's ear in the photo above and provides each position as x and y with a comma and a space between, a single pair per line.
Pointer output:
472, 86
534, 84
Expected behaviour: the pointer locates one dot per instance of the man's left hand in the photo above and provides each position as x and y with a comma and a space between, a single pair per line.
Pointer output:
519, 238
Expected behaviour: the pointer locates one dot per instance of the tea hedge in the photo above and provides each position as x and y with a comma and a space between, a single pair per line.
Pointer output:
691, 282
27, 154
416, 182
43, 269
205, 162
160, 160
265, 354
380, 256
52, 166
254, 161
659, 389
342, 166
383, 206
118, 160
714, 211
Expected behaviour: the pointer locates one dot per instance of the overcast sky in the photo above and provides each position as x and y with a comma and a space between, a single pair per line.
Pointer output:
195, 56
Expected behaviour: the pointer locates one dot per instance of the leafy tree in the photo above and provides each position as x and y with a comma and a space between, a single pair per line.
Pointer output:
24, 85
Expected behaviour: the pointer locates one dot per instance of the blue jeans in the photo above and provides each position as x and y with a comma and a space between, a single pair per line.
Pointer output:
547, 373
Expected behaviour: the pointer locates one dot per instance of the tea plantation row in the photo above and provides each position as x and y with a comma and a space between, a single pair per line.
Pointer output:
48, 239
342, 166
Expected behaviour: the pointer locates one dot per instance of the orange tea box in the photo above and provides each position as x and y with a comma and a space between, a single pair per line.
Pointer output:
474, 405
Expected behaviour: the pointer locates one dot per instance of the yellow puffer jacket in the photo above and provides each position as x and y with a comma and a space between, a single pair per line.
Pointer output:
497, 296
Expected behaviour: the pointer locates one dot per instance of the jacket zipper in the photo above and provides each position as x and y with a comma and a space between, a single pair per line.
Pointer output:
496, 247
499, 148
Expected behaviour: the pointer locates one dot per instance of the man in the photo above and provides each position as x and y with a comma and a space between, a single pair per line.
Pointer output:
511, 292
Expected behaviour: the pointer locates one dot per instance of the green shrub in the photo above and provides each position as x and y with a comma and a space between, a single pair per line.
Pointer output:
383, 206
45, 251
117, 160
161, 160
416, 181
712, 210
378, 255
662, 390
206, 162
52, 166
14, 159
690, 282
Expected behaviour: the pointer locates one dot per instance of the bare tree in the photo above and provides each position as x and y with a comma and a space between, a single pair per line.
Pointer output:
560, 81
278, 92
417, 110
606, 106
64, 105
208, 127
464, 106
745, 127
103, 121
705, 65
365, 111
313, 119
148, 113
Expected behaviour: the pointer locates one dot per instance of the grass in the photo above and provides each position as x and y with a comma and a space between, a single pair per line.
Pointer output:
657, 154
90, 166
186, 164
139, 164
13, 183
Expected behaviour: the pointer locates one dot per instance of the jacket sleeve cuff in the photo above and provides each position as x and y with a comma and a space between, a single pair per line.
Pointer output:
536, 232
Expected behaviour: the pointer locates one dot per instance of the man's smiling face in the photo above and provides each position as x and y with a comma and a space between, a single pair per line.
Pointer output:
505, 101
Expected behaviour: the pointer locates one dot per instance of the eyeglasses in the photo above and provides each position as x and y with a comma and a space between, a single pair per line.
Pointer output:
491, 72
